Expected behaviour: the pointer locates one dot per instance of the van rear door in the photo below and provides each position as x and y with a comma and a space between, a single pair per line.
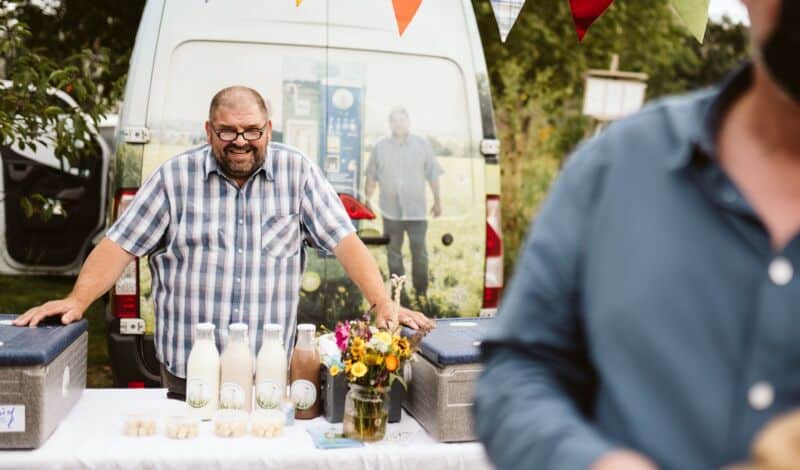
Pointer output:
276, 48
428, 75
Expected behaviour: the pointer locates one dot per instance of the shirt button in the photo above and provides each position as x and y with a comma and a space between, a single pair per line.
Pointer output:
238, 279
236, 310
241, 221
761, 396
781, 271
240, 251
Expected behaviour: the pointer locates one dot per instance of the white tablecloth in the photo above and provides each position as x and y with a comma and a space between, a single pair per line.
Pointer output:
91, 437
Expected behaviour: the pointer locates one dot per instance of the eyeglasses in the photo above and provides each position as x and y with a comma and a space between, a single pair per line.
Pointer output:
229, 135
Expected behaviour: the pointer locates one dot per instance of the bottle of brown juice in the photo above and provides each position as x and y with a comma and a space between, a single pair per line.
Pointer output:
304, 373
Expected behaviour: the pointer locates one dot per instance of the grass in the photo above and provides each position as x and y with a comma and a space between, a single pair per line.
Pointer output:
19, 293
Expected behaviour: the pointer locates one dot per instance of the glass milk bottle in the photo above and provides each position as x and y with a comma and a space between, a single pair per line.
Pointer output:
202, 373
236, 389
304, 373
271, 368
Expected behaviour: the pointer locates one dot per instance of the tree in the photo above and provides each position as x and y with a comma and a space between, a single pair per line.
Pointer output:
537, 83
30, 115
104, 27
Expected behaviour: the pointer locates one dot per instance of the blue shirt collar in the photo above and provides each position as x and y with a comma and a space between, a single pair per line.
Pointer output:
211, 165
706, 120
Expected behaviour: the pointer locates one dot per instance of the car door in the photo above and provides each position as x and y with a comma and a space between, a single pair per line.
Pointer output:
69, 197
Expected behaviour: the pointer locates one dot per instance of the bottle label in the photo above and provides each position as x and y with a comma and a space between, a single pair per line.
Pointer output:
304, 394
268, 394
231, 396
198, 393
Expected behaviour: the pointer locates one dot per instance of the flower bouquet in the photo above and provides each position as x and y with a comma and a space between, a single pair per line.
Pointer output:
371, 359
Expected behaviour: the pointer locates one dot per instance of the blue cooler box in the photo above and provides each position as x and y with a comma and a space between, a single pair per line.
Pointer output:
443, 376
42, 376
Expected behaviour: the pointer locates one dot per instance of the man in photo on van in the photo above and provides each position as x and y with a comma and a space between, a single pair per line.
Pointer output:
224, 226
401, 165
653, 320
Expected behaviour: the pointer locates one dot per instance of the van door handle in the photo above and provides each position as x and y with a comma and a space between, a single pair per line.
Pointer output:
382, 240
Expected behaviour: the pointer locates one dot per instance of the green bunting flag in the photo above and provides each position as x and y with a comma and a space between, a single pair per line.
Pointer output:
694, 14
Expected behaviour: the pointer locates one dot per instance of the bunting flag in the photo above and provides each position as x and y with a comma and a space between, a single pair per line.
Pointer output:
404, 11
694, 14
298, 2
584, 12
506, 13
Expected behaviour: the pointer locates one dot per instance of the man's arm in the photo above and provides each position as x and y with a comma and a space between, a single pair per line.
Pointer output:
369, 188
436, 210
100, 271
372, 175
534, 397
432, 173
363, 270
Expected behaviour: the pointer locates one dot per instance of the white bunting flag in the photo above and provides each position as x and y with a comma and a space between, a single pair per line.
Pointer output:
506, 13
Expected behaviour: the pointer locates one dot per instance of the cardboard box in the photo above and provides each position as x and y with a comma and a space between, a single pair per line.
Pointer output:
443, 376
42, 376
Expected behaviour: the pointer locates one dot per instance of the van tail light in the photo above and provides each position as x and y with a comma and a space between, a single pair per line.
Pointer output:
126, 290
355, 208
493, 274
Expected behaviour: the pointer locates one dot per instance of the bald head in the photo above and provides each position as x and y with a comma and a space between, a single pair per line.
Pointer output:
235, 96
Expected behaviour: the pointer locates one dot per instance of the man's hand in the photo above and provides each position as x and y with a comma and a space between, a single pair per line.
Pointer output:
70, 309
410, 318
623, 460
436, 210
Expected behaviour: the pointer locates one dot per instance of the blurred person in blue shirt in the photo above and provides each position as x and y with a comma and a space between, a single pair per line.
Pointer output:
653, 320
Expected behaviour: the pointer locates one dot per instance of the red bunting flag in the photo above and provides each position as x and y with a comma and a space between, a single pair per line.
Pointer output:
584, 12
404, 11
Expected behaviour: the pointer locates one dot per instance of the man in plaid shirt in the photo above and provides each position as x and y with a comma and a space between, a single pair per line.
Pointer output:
223, 225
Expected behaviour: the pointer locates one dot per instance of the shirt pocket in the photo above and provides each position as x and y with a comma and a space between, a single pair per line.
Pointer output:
280, 236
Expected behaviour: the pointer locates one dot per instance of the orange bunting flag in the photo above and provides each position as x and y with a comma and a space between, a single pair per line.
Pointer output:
298, 2
584, 12
404, 11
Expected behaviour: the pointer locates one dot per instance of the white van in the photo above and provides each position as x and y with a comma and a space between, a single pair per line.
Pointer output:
73, 192
332, 71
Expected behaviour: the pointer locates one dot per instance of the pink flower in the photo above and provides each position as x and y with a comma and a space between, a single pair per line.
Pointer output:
342, 335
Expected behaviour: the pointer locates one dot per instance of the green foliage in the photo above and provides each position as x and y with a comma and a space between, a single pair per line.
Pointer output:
537, 83
107, 28
30, 116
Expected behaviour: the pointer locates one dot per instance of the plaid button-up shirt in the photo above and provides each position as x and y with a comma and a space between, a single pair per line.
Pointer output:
224, 254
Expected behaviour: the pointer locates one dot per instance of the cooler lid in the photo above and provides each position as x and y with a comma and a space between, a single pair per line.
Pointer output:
455, 340
25, 346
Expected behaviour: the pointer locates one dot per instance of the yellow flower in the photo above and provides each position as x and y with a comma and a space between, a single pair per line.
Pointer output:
358, 348
403, 348
334, 370
358, 370
347, 364
384, 337
374, 359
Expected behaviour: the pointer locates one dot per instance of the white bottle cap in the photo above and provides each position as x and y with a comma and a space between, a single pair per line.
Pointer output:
237, 327
273, 327
307, 327
205, 327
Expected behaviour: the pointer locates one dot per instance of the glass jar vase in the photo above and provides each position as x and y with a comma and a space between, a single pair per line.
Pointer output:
366, 411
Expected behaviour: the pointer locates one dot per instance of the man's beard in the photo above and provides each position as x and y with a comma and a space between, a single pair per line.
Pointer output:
780, 51
240, 170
